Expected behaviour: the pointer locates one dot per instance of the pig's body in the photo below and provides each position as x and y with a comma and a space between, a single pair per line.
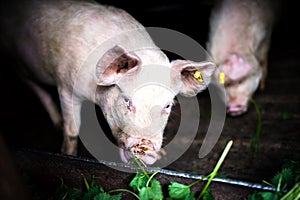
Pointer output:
239, 40
55, 39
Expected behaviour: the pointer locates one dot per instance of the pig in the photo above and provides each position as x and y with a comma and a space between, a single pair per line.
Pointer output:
54, 39
239, 40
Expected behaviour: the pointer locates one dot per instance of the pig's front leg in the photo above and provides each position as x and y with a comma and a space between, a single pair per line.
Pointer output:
71, 107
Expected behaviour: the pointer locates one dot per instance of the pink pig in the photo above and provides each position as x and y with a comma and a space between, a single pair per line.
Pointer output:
239, 38
55, 38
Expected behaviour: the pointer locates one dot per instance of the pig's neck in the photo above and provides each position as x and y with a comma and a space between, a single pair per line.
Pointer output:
106, 97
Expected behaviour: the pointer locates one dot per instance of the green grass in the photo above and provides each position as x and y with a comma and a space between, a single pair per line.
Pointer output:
144, 187
288, 179
256, 136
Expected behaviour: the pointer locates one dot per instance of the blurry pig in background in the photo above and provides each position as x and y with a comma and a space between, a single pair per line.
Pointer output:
54, 39
239, 40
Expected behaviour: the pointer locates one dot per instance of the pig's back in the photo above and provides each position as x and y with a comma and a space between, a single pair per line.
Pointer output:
238, 26
55, 37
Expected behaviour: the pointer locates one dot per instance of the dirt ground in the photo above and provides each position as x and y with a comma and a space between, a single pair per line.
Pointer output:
25, 124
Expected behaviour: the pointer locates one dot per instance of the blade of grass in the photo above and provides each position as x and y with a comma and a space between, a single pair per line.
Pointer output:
150, 178
279, 183
217, 167
137, 161
196, 182
256, 136
86, 184
294, 193
125, 190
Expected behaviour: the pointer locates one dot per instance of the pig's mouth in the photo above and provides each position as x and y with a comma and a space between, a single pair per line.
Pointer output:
236, 110
144, 151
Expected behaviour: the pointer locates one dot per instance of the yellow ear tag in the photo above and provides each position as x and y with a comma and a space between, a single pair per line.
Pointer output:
222, 78
198, 76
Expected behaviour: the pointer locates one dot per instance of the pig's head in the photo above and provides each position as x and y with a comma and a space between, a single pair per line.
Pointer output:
135, 105
242, 76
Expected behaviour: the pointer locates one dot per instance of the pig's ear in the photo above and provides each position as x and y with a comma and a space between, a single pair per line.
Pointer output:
114, 64
235, 67
192, 76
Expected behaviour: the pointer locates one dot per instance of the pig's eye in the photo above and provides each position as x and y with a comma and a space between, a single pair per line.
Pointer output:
126, 100
128, 103
167, 107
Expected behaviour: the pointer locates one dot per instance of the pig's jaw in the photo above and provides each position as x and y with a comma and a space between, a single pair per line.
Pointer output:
144, 151
234, 109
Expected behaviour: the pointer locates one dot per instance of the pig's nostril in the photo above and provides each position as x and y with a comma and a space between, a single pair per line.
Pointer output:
235, 106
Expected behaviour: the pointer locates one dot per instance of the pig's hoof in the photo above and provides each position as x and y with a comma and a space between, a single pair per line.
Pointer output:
69, 146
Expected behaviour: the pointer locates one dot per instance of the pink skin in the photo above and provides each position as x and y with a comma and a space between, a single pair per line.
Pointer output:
235, 68
239, 40
136, 125
57, 49
240, 82
137, 119
237, 107
239, 87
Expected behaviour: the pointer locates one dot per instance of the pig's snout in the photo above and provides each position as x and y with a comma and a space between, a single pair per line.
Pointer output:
143, 149
235, 109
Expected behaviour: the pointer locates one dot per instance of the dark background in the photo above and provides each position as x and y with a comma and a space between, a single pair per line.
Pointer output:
25, 124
